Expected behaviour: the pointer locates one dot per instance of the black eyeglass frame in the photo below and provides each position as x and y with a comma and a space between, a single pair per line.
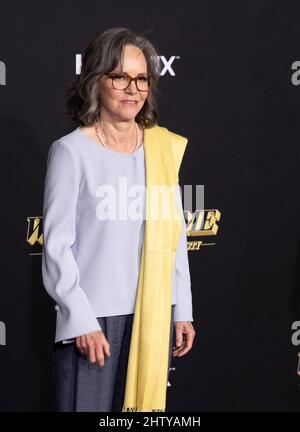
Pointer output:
112, 75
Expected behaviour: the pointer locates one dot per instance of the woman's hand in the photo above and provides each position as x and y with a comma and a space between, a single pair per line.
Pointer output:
185, 333
94, 345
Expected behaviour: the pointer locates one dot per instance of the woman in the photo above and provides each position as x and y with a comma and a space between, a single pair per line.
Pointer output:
110, 273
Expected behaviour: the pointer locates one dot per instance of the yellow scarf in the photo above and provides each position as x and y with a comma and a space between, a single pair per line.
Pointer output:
147, 370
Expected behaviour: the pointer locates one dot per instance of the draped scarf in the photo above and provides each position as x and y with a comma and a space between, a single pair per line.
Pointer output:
147, 368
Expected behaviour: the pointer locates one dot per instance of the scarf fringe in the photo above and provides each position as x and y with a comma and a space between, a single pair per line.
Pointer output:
135, 409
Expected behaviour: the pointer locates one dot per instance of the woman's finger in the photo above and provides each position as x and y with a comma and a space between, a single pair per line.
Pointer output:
187, 346
99, 355
91, 352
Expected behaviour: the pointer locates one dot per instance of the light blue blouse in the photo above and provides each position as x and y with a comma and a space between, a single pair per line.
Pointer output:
90, 266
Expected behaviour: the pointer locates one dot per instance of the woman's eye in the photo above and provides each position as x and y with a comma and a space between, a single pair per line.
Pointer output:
119, 77
143, 79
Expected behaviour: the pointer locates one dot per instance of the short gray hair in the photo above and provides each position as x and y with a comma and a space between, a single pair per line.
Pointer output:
101, 56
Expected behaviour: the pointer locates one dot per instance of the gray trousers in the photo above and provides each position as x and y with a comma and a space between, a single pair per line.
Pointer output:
80, 385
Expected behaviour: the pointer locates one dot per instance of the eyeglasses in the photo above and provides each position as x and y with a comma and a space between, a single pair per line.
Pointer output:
122, 80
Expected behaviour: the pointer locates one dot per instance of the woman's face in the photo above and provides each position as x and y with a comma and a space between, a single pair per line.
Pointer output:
112, 100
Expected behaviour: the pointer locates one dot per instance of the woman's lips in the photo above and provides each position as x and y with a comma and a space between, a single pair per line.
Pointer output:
127, 102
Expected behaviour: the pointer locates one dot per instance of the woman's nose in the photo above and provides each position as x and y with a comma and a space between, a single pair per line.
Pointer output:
132, 87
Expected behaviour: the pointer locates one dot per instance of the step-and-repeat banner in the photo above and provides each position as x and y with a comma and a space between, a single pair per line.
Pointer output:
230, 83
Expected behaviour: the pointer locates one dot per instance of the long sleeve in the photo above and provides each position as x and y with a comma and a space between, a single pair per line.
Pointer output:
183, 310
60, 273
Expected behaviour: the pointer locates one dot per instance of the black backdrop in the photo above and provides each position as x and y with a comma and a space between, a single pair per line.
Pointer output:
235, 95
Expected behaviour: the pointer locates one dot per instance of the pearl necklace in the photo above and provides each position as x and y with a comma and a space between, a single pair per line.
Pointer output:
101, 141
